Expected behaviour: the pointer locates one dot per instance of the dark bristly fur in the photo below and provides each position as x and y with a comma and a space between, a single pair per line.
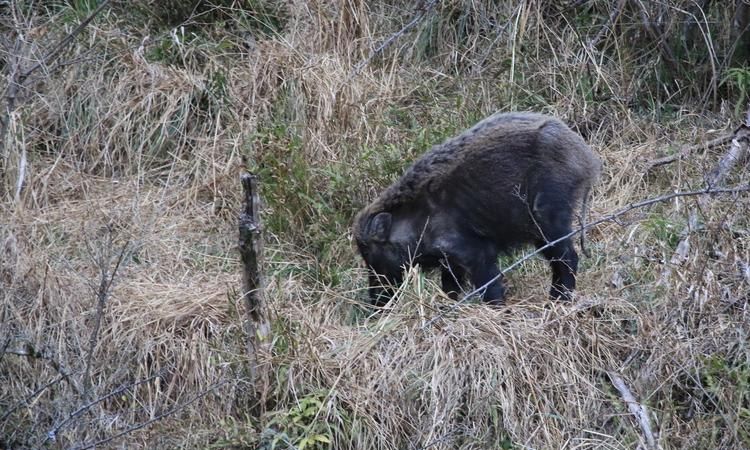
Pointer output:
511, 179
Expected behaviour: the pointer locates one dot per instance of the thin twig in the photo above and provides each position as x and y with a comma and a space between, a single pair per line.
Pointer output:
27, 349
54, 52
608, 218
420, 15
613, 16
16, 79
11, 92
21, 175
102, 294
637, 409
52, 434
660, 39
25, 401
150, 421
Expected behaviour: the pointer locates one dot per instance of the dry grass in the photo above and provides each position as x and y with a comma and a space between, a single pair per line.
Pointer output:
135, 148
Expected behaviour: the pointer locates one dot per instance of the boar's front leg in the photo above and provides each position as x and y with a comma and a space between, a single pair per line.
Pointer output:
563, 260
487, 273
381, 291
554, 218
451, 277
479, 258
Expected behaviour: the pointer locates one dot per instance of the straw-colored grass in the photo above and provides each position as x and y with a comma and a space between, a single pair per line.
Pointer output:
133, 146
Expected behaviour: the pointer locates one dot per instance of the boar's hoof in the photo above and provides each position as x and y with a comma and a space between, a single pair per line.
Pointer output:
560, 293
496, 302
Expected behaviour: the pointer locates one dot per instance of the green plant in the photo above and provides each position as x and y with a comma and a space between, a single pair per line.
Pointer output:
300, 427
738, 78
665, 231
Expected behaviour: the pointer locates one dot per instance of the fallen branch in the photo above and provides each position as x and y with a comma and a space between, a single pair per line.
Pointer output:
636, 409
687, 150
738, 151
608, 218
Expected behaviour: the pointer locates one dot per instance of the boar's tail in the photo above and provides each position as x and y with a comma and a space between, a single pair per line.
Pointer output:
582, 220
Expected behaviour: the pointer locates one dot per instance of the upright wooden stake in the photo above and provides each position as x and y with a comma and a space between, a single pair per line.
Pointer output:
257, 325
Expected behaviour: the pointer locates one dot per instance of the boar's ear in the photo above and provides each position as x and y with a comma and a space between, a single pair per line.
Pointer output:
380, 227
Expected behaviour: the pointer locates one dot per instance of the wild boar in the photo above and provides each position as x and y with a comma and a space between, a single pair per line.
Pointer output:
511, 179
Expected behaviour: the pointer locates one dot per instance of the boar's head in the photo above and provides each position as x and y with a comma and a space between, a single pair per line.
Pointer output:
384, 254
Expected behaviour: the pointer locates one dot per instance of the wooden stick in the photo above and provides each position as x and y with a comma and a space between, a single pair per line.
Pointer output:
257, 325
636, 409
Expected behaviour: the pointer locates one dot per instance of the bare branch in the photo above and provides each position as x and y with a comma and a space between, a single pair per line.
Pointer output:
52, 434
149, 422
27, 349
17, 77
54, 52
25, 401
608, 218
660, 39
101, 300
